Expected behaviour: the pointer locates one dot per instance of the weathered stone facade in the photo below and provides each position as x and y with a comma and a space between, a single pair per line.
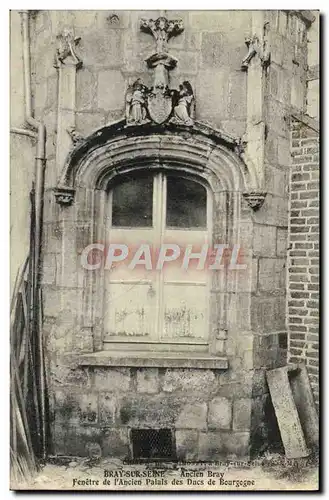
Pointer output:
216, 401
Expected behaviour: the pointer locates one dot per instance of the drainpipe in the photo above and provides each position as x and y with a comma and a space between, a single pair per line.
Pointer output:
39, 175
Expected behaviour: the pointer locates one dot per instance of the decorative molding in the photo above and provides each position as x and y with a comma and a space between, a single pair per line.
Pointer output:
160, 104
255, 46
255, 199
162, 30
117, 148
64, 195
66, 48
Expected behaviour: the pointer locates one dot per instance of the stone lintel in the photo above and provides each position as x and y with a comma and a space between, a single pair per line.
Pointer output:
148, 359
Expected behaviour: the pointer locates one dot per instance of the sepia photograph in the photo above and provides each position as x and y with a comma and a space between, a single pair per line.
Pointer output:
164, 250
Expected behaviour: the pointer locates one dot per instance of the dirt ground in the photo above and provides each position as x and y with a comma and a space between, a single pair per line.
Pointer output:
274, 473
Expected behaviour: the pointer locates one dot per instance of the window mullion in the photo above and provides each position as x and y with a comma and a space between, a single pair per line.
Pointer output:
160, 205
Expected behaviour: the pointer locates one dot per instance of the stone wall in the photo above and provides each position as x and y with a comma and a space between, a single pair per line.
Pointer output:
211, 415
303, 255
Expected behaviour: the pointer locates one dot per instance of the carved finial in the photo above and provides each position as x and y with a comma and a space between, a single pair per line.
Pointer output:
183, 105
64, 195
162, 30
256, 47
75, 135
67, 43
255, 199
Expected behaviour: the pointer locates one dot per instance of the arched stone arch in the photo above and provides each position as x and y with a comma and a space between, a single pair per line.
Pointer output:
117, 149
198, 151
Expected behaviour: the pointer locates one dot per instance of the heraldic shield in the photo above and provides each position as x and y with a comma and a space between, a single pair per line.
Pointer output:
159, 106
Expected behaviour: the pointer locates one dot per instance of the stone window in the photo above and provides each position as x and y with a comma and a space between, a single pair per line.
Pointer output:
167, 304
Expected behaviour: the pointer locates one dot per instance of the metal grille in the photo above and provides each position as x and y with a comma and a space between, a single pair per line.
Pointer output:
152, 444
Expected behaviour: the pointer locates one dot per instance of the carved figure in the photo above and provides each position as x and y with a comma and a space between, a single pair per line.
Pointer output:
136, 103
66, 47
183, 104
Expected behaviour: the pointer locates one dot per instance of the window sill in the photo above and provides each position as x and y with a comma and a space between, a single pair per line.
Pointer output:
148, 359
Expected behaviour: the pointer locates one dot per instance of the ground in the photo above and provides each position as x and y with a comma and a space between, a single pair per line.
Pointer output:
273, 472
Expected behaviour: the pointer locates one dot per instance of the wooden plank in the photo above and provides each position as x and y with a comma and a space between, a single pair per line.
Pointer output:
286, 413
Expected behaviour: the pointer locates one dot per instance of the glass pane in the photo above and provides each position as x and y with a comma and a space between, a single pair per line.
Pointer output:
186, 203
132, 202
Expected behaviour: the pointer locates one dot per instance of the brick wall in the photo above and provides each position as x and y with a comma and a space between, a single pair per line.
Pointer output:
303, 253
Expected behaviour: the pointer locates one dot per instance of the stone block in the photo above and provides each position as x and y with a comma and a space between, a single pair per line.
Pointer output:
271, 274
235, 445
284, 153
268, 313
115, 443
242, 414
187, 445
49, 268
213, 53
64, 375
274, 211
187, 380
76, 440
111, 90
264, 240
148, 380
286, 413
102, 51
87, 85
153, 411
276, 179
76, 408
237, 102
112, 379
210, 447
85, 19
281, 242
220, 413
211, 104
238, 387
188, 61
259, 384
107, 408
88, 122
192, 416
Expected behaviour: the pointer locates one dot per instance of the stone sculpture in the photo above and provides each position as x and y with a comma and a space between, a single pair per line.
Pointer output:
136, 103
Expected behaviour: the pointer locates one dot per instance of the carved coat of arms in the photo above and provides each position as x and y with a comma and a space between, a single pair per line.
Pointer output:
159, 103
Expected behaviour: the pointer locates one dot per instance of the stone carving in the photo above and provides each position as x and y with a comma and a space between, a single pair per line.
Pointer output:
136, 103
241, 145
256, 47
162, 30
64, 196
160, 103
183, 102
76, 137
67, 43
255, 199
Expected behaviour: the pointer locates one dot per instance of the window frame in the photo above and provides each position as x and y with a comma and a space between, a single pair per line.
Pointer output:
159, 213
